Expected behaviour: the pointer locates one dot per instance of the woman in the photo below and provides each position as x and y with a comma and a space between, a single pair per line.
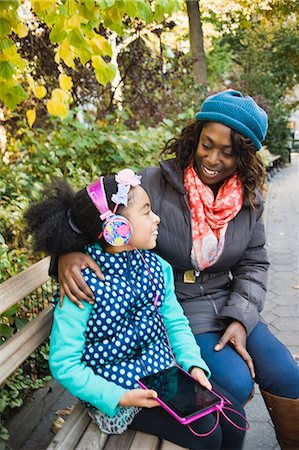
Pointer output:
212, 234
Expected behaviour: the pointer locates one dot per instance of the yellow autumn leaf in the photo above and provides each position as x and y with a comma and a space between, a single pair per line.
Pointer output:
100, 45
31, 82
65, 82
98, 63
58, 105
66, 53
41, 5
31, 116
76, 20
11, 54
40, 91
22, 30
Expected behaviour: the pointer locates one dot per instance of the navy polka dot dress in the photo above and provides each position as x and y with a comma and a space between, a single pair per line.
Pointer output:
125, 338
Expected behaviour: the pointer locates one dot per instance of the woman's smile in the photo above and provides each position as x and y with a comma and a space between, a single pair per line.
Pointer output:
214, 157
210, 172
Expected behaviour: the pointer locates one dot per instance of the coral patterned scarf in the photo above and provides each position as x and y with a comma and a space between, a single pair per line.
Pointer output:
210, 216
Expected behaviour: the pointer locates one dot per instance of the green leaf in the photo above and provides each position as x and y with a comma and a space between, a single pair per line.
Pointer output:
58, 32
92, 16
131, 8
163, 7
51, 19
6, 331
5, 4
11, 311
104, 72
89, 4
105, 3
4, 436
113, 19
76, 38
13, 97
111, 71
71, 6
84, 55
20, 322
159, 13
6, 43
4, 27
7, 69
62, 10
168, 122
144, 11
102, 76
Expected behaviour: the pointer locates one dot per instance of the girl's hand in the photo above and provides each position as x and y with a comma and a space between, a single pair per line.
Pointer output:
236, 335
144, 398
71, 279
200, 376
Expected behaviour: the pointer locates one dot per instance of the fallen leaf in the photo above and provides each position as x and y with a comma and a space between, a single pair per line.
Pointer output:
57, 424
66, 411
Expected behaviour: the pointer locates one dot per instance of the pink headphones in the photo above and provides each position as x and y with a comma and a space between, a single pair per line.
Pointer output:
116, 229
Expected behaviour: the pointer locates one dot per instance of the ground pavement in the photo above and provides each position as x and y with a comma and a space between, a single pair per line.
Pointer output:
281, 308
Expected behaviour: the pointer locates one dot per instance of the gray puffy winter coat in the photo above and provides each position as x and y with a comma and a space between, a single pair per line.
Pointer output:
232, 288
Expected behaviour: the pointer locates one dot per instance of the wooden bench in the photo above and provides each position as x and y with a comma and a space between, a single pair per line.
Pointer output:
271, 162
273, 165
78, 432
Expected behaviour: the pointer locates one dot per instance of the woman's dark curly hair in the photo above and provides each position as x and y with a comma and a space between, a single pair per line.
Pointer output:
250, 167
53, 221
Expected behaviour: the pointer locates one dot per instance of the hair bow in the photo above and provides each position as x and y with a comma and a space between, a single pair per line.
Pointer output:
128, 177
125, 179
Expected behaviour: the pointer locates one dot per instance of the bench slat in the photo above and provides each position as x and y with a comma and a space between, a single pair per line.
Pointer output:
70, 434
121, 441
22, 284
14, 351
144, 441
166, 445
275, 157
93, 438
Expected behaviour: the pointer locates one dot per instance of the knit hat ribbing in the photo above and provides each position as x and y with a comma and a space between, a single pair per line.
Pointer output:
241, 113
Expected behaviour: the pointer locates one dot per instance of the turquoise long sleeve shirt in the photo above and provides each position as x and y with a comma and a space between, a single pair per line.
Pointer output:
68, 341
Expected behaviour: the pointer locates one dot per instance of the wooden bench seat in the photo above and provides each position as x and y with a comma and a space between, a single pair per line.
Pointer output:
273, 165
78, 432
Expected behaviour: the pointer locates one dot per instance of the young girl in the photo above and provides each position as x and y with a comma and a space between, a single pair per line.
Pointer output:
136, 326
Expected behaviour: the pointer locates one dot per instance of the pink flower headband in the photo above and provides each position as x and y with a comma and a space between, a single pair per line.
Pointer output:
125, 179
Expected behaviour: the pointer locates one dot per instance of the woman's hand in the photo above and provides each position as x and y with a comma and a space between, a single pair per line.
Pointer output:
236, 335
144, 398
200, 376
71, 279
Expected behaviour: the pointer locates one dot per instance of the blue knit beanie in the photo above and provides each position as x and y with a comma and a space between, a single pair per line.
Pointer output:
240, 113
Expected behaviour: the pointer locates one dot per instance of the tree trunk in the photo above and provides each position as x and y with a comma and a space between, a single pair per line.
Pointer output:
196, 43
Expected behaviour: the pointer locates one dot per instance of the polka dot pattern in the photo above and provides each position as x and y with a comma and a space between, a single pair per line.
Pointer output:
125, 339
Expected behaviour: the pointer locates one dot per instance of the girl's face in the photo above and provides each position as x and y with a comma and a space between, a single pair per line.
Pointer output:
214, 156
143, 220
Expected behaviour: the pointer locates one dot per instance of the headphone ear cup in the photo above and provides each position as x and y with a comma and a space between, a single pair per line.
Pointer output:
117, 230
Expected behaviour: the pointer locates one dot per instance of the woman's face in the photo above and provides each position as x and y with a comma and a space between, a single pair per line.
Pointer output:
214, 156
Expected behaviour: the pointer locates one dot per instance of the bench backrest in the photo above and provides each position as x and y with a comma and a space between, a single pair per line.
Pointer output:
17, 348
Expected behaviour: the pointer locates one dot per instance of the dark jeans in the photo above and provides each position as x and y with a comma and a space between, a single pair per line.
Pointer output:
160, 423
276, 371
